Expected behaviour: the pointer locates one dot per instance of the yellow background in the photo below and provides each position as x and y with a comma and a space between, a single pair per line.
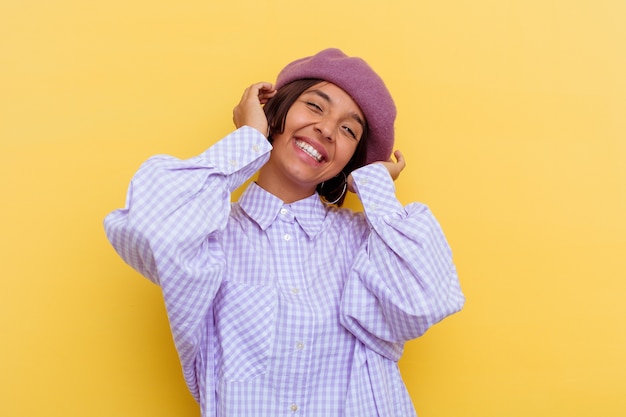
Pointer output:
512, 116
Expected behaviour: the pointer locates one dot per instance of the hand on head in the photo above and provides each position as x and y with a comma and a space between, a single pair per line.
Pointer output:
394, 168
249, 111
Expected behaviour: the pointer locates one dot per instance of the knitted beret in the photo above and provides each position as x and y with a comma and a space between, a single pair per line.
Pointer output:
359, 80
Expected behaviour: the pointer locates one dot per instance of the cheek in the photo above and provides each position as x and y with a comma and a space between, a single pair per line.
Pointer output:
346, 151
295, 118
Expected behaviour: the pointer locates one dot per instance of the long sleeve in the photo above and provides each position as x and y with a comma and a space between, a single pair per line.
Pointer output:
172, 205
403, 279
169, 231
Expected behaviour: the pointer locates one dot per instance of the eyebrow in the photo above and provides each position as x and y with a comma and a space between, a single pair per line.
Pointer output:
327, 98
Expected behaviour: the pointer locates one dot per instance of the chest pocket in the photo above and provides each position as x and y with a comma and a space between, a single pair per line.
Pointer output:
245, 317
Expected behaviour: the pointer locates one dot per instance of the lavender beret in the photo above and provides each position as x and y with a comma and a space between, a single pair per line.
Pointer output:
359, 80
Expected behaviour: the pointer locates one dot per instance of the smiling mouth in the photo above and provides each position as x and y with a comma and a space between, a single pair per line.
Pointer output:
308, 149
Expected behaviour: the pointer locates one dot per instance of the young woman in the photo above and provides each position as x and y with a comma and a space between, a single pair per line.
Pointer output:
283, 303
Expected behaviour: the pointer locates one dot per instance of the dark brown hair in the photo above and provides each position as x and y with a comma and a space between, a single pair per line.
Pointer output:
276, 111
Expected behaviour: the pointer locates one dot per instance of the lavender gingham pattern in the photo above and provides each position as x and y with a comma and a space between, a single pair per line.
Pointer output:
285, 309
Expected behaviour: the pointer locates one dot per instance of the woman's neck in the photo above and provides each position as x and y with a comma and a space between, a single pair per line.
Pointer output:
282, 187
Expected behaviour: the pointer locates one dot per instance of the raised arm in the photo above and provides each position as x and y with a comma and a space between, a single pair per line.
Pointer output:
403, 279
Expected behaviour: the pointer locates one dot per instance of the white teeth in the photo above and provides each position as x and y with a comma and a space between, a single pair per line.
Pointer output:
309, 149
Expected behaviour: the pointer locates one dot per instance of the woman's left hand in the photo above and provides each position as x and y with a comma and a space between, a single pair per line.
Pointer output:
394, 168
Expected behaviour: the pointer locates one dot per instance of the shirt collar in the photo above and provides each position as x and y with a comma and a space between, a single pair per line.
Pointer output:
263, 207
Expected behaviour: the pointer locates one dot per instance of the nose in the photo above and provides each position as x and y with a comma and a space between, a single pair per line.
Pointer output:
326, 128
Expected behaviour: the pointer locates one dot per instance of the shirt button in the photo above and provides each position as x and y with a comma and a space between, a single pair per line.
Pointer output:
287, 237
233, 162
295, 290
294, 407
299, 345
256, 148
283, 211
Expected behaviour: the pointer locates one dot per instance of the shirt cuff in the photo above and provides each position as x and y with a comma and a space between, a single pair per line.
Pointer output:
376, 190
238, 155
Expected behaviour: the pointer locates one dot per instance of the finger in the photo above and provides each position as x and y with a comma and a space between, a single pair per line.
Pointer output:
264, 97
263, 85
267, 93
262, 88
245, 94
256, 89
399, 157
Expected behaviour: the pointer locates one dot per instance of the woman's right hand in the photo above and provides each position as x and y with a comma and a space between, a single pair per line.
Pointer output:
249, 111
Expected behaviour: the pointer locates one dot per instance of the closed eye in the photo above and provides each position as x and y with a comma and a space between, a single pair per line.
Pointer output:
313, 105
350, 132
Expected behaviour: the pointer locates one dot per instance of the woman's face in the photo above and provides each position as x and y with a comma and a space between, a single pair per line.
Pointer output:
322, 130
